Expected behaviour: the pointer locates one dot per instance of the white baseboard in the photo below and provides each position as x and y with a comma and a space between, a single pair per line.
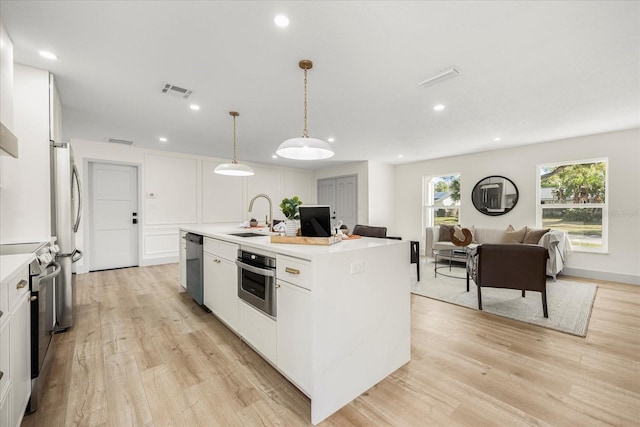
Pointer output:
602, 275
159, 260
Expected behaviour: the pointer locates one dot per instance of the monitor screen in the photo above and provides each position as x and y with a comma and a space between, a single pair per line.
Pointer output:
315, 221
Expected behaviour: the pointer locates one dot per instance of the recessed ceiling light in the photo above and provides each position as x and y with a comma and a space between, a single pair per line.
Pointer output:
194, 107
330, 139
48, 55
274, 156
281, 21
400, 156
496, 139
439, 107
162, 139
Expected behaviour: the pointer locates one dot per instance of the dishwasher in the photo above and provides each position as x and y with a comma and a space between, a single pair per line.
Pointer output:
195, 276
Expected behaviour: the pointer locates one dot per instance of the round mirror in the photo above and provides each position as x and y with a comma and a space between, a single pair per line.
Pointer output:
494, 195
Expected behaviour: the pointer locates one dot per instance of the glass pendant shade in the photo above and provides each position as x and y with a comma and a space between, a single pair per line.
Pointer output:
234, 168
305, 148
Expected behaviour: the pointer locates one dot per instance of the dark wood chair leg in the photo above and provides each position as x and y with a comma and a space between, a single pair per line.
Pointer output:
523, 293
479, 298
467, 281
544, 303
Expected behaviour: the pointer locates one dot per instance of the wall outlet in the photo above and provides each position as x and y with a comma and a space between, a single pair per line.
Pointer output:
357, 267
151, 195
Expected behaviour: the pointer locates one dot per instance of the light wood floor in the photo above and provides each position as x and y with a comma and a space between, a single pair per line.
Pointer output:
142, 354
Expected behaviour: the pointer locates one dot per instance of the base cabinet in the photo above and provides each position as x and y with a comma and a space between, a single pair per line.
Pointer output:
258, 330
15, 348
221, 281
20, 359
294, 334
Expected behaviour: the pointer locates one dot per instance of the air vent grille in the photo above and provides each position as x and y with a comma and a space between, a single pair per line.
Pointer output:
119, 141
176, 91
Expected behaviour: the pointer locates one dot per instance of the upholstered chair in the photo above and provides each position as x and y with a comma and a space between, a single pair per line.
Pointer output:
369, 231
521, 267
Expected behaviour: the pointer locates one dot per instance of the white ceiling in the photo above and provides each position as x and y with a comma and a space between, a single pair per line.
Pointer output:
529, 72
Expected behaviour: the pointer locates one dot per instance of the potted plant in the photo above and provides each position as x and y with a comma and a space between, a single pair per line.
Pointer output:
289, 208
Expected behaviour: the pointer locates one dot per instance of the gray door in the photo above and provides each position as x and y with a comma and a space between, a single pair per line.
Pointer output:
341, 194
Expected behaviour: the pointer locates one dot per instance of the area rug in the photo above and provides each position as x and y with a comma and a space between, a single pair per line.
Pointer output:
569, 303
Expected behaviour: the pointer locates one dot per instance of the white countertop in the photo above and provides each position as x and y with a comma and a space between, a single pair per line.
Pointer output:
9, 264
222, 232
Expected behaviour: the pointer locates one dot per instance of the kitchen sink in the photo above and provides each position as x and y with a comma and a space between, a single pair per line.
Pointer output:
247, 234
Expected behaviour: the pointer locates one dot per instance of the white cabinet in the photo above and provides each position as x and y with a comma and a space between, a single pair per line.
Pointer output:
294, 334
221, 281
295, 277
20, 357
6, 79
15, 348
5, 368
258, 330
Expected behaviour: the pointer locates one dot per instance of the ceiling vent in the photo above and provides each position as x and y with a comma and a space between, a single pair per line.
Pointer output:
119, 141
177, 91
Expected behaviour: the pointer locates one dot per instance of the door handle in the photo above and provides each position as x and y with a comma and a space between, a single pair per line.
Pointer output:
292, 270
21, 284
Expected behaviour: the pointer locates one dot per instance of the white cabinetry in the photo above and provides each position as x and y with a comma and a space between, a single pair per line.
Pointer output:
6, 79
294, 321
15, 348
258, 330
20, 357
221, 280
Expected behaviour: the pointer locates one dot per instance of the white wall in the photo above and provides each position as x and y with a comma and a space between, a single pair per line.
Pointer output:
180, 189
382, 196
520, 165
25, 207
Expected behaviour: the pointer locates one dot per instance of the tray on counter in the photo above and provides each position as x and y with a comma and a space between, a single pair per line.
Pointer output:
303, 240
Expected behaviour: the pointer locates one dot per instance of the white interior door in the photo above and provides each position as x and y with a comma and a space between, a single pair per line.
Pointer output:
114, 216
342, 195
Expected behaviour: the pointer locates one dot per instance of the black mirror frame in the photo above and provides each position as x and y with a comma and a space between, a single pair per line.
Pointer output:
484, 211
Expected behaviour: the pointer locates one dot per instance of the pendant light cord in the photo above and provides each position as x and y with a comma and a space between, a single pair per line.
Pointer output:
234, 161
305, 133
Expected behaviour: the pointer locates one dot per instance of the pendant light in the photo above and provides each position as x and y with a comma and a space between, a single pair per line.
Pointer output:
234, 168
305, 148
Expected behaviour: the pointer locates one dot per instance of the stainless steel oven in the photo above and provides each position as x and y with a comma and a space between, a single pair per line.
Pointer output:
257, 281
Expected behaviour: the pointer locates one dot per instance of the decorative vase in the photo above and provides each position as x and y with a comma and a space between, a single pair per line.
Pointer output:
291, 227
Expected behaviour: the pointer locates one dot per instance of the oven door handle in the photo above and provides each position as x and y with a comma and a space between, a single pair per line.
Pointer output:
256, 270
54, 273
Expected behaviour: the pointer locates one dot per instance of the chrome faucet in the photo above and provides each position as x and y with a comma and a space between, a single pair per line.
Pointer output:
270, 207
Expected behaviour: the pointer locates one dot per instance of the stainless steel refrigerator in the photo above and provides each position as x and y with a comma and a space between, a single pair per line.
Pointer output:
66, 210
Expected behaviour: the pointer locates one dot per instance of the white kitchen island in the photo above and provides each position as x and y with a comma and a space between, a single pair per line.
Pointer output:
343, 317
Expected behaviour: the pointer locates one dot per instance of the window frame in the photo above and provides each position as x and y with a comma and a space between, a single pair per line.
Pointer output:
604, 248
427, 188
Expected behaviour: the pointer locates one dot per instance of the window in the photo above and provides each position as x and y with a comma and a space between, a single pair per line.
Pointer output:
441, 199
572, 196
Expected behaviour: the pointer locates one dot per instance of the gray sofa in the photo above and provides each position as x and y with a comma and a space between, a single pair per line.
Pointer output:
555, 241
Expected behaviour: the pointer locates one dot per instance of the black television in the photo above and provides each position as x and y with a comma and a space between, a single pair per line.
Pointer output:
315, 220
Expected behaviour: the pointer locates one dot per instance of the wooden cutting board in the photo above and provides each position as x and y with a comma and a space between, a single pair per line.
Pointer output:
303, 240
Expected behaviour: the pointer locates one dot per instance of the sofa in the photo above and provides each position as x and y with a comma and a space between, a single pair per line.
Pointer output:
555, 241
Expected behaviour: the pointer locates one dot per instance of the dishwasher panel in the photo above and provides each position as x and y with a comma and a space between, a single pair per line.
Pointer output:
195, 275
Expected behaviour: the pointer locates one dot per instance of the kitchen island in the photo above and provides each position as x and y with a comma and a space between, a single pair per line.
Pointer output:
343, 311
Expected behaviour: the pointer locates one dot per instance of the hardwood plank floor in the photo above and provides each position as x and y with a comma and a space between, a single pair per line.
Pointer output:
141, 354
